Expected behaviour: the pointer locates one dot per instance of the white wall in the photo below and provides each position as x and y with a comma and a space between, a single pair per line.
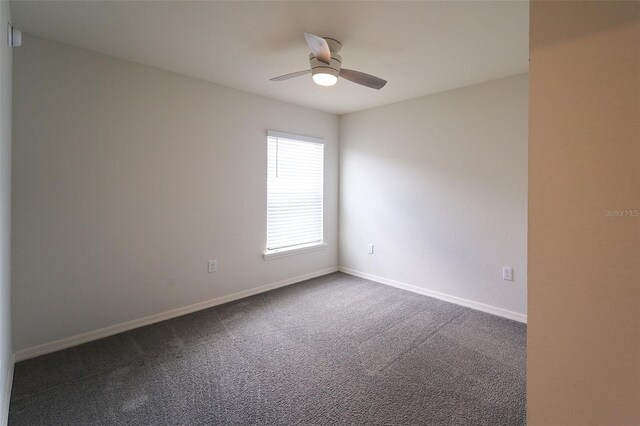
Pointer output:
128, 179
5, 213
439, 185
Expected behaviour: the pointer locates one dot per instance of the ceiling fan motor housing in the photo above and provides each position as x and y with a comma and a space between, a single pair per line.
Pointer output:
333, 67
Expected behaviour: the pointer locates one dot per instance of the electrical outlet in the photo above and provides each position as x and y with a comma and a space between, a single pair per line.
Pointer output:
507, 273
213, 266
370, 248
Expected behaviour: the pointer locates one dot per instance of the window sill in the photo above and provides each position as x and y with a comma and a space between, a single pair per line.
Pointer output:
274, 254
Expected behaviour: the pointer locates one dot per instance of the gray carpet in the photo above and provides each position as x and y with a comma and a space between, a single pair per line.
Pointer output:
332, 350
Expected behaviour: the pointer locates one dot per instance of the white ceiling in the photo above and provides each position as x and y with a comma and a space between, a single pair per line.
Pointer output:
419, 47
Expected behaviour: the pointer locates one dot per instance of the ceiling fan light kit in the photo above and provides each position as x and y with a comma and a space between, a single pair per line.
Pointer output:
326, 65
325, 79
326, 74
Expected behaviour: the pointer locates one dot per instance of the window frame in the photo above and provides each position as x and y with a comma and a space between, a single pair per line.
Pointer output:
269, 254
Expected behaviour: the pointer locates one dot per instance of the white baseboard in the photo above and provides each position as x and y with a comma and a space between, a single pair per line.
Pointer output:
516, 316
129, 325
151, 319
6, 394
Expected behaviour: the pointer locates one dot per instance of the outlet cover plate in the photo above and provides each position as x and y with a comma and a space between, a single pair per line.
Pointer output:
507, 273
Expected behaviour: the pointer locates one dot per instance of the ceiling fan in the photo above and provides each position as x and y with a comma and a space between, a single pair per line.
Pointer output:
326, 65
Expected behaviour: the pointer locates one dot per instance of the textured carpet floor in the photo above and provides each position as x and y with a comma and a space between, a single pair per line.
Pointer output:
332, 350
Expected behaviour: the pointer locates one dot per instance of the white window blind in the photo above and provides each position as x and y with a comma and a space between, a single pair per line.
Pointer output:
294, 191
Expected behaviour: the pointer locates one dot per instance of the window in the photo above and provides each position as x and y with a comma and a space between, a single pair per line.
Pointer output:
294, 193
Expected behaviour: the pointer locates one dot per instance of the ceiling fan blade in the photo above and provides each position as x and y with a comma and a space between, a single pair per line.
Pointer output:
319, 47
291, 75
363, 78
